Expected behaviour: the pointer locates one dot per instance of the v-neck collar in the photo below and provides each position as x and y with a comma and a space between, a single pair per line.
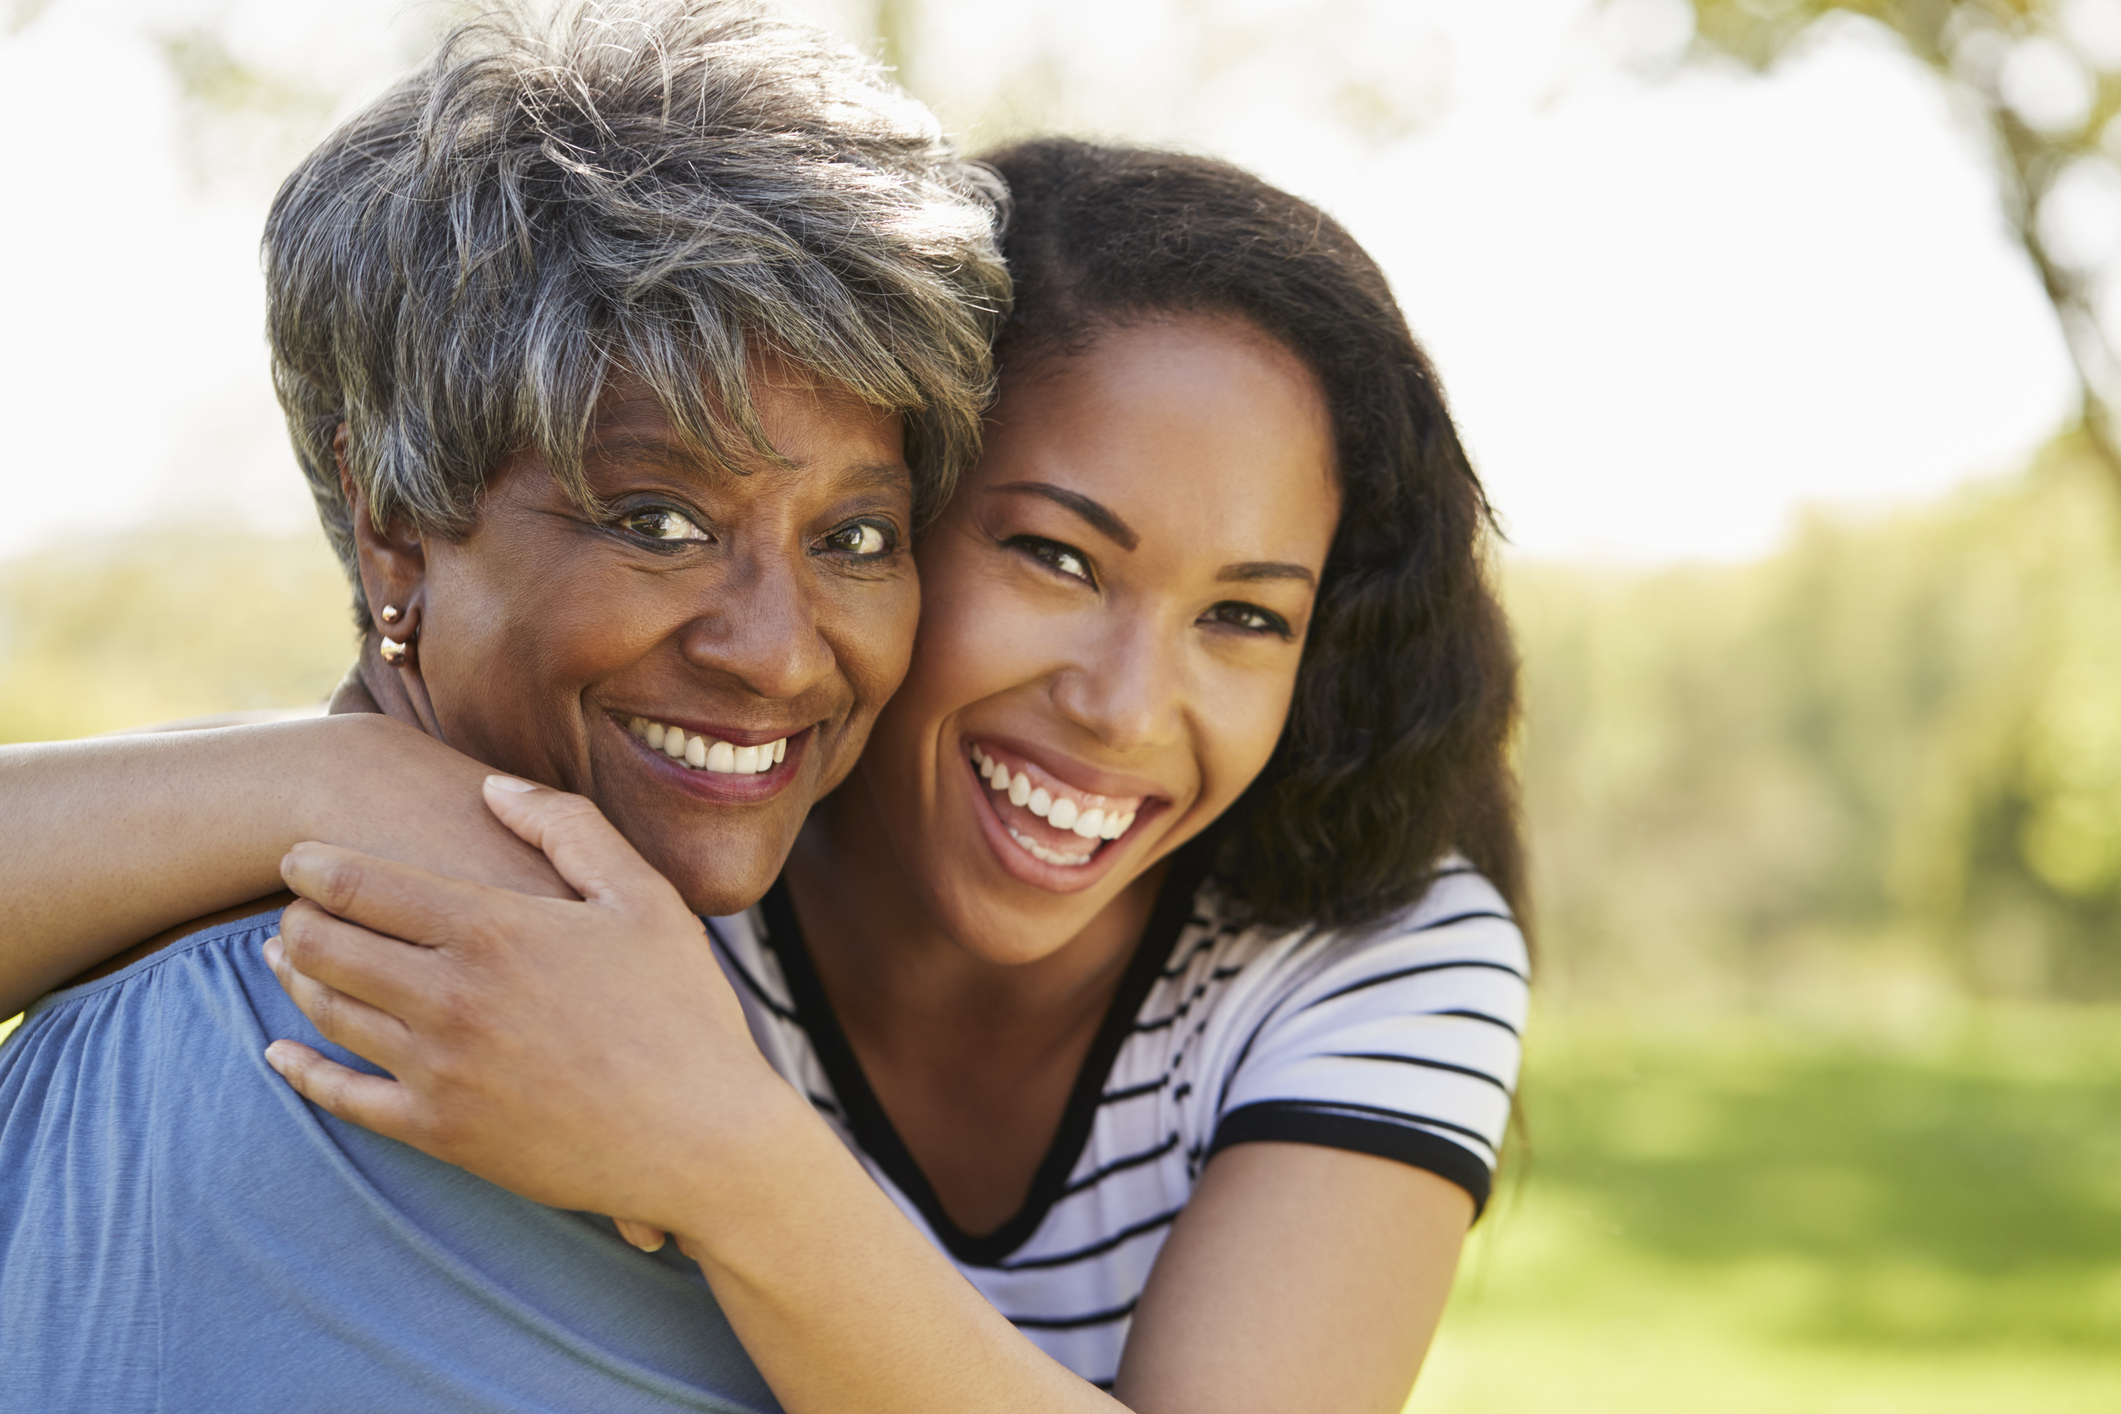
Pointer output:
872, 1128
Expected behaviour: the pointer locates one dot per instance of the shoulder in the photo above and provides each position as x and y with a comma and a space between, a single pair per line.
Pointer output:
1403, 1039
230, 928
1460, 924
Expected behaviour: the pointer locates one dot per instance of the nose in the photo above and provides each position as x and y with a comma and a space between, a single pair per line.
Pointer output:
762, 627
1127, 685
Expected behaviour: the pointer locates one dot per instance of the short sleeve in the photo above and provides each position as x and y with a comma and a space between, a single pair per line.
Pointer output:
1404, 1044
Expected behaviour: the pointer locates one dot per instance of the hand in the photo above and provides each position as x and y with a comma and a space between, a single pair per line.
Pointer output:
584, 1054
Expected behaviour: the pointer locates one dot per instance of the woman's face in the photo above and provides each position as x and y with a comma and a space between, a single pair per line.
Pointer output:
1116, 603
766, 616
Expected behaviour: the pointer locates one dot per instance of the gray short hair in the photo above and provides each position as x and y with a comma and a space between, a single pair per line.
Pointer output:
664, 186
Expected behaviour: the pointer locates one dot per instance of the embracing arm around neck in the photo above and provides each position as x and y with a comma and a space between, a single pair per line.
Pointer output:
107, 841
1298, 1280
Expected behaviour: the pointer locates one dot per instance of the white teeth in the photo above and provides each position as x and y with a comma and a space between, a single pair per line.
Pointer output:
1038, 851
1090, 822
703, 753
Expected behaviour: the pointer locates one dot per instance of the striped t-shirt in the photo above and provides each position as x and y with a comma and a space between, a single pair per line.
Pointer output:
1402, 1042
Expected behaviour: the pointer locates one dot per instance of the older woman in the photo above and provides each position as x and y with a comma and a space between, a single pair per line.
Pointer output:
622, 358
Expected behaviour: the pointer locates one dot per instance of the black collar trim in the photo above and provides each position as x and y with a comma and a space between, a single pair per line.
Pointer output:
872, 1128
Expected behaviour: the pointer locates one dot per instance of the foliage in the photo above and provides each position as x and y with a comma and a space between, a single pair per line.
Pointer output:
1749, 1220
2043, 78
1165, 72
1885, 760
158, 628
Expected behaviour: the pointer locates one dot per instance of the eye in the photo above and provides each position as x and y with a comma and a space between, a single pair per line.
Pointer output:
1249, 618
1061, 559
662, 523
862, 539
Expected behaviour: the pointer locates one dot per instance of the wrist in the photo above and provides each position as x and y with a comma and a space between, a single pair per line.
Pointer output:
748, 1181
330, 763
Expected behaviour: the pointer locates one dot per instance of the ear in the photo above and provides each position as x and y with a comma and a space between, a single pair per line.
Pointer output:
393, 560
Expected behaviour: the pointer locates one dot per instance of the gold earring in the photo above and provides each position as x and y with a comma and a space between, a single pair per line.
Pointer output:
394, 652
391, 614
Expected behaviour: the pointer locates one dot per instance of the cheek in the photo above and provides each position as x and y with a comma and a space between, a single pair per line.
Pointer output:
462, 623
977, 640
872, 634
505, 652
1240, 729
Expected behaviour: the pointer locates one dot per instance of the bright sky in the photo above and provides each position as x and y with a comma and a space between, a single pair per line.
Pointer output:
1668, 311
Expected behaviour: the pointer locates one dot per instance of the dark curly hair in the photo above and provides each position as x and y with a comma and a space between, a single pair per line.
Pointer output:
1396, 749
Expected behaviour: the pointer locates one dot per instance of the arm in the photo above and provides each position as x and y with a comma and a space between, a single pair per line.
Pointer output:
105, 842
1298, 1278
591, 1055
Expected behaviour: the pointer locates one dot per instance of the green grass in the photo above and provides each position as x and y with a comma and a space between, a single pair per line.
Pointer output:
1753, 1219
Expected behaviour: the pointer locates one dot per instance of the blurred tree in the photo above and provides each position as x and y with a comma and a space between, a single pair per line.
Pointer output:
1885, 758
1161, 71
258, 81
20, 13
2043, 77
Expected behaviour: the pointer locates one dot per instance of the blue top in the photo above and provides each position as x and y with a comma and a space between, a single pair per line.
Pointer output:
179, 1230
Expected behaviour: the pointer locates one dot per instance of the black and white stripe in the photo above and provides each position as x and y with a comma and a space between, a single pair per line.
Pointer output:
1403, 1043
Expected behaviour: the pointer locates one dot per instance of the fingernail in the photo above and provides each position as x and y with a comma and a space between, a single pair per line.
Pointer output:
275, 954
510, 783
278, 1054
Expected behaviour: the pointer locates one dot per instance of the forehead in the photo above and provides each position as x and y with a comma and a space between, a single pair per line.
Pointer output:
1197, 421
811, 426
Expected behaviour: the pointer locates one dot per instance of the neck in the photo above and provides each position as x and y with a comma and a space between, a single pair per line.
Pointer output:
372, 685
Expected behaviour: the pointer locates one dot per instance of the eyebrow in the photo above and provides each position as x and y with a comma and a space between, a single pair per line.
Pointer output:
1117, 530
1252, 570
677, 457
1100, 517
879, 476
659, 450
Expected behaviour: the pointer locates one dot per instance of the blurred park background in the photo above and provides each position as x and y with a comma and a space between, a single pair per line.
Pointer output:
1782, 331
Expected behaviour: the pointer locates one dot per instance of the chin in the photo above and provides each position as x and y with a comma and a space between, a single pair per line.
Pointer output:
712, 888
715, 872
1006, 933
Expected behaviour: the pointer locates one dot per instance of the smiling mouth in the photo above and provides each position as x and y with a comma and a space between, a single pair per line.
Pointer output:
1049, 819
706, 753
